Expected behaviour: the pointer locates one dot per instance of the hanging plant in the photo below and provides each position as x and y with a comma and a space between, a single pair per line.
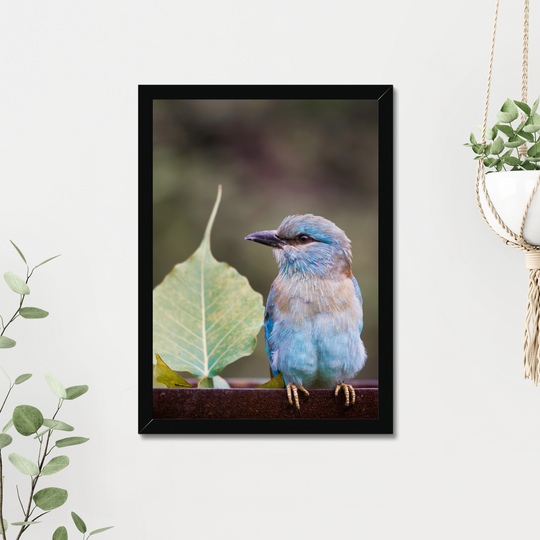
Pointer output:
507, 199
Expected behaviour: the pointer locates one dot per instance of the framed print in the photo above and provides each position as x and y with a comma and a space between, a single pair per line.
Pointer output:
271, 211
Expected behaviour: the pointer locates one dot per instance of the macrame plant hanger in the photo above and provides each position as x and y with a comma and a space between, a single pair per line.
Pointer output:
531, 344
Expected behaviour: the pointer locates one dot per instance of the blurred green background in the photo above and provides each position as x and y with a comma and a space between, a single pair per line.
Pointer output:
274, 158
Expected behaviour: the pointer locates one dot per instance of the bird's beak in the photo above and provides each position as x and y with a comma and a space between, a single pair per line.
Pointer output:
268, 238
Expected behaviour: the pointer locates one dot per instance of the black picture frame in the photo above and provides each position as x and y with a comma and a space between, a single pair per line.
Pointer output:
384, 423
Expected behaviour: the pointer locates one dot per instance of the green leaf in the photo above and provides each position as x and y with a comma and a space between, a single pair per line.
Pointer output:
57, 388
23, 464
60, 534
534, 150
531, 128
79, 523
5, 440
220, 382
73, 392
165, 375
274, 382
33, 313
57, 424
507, 130
511, 160
533, 159
27, 419
55, 465
22, 523
8, 425
534, 119
535, 107
20, 252
71, 441
490, 134
524, 107
509, 112
206, 382
54, 424
5, 524
472, 138
16, 284
7, 343
514, 142
21, 378
50, 498
478, 148
498, 146
40, 264
527, 136
97, 531
206, 315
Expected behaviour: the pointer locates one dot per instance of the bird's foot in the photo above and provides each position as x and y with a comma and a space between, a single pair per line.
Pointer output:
347, 389
292, 390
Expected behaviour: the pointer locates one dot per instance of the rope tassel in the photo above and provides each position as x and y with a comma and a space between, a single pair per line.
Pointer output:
531, 345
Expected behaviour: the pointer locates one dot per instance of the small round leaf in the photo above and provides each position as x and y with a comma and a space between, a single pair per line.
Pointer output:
79, 523
71, 441
73, 392
5, 440
33, 313
57, 388
27, 419
60, 534
21, 378
23, 464
50, 498
7, 343
55, 465
16, 284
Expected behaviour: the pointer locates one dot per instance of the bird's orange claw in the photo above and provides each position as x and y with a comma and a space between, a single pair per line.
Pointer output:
292, 390
347, 388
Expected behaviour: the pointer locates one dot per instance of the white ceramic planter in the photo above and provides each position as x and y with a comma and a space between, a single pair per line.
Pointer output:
510, 192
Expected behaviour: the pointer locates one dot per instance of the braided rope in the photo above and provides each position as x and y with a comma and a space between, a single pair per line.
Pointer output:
524, 70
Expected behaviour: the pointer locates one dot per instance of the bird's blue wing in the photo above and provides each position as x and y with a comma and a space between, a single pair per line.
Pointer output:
268, 327
359, 296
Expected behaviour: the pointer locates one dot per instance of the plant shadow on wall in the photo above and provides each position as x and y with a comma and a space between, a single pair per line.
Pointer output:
29, 421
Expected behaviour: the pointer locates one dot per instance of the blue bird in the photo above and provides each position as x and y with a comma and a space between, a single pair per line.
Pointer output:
313, 317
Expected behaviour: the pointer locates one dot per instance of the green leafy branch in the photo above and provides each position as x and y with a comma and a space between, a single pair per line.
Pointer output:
503, 135
20, 286
28, 421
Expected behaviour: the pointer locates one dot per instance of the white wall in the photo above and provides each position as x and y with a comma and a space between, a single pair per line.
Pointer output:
463, 461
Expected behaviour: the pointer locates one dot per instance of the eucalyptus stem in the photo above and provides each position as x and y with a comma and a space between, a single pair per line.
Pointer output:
7, 395
2, 499
34, 481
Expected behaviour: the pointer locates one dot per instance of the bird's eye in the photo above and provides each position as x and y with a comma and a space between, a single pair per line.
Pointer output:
304, 238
